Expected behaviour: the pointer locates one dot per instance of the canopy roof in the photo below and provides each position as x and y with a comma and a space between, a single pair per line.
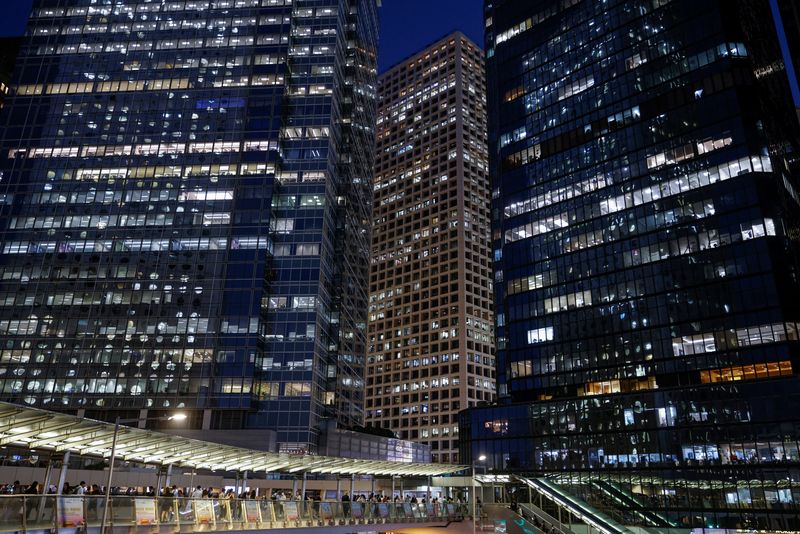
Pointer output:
40, 429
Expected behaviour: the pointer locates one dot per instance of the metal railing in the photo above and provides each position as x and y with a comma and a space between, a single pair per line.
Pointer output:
37, 512
576, 508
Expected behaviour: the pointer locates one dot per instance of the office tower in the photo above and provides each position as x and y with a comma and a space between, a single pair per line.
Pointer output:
645, 254
185, 213
430, 351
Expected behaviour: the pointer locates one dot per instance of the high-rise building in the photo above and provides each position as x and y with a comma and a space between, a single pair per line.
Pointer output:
645, 227
430, 351
185, 202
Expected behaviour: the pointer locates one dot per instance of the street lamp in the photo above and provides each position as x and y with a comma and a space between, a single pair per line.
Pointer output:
481, 458
117, 422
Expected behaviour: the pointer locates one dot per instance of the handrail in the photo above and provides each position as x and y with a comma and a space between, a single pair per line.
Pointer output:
23, 513
544, 517
575, 506
635, 506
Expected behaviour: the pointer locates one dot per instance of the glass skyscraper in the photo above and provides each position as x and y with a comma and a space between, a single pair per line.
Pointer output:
185, 191
645, 241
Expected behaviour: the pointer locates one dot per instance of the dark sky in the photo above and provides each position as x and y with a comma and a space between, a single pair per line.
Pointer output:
13, 15
406, 25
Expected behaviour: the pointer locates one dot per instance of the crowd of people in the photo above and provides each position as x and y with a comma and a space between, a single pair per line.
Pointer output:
199, 492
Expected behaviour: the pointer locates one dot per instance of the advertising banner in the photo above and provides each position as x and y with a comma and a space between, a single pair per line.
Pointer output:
145, 510
252, 513
70, 512
290, 510
325, 511
357, 510
203, 511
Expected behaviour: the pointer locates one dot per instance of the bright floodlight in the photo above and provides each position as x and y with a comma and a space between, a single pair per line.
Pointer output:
178, 417
482, 458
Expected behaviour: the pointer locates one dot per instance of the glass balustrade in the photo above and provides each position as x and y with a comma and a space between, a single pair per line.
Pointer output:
39, 512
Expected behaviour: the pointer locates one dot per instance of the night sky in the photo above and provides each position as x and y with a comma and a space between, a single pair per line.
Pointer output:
406, 25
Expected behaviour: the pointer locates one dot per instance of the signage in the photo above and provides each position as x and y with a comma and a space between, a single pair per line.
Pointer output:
203, 511
325, 511
290, 511
70, 512
145, 510
357, 510
252, 513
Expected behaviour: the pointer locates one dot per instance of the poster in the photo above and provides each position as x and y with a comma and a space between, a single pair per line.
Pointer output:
383, 509
325, 511
145, 510
251, 512
70, 511
267, 511
290, 510
357, 510
203, 512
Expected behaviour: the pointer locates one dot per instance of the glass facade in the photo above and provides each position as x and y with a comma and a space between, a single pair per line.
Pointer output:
184, 211
644, 215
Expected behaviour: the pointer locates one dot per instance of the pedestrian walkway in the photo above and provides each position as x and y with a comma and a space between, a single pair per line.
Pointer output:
24, 513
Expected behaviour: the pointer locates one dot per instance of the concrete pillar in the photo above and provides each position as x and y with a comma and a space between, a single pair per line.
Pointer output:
62, 476
47, 474
294, 487
393, 484
338, 488
244, 480
303, 490
402, 497
372, 486
168, 478
352, 487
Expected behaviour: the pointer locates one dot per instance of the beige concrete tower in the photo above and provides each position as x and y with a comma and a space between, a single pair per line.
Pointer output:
431, 344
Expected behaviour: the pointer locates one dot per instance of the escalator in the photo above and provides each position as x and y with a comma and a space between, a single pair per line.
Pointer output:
579, 509
528, 519
632, 503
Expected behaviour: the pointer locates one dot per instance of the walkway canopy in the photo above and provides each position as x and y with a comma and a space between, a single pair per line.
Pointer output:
40, 429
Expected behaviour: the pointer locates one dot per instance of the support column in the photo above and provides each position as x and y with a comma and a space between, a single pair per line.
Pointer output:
294, 488
62, 476
47, 474
338, 488
159, 473
305, 479
402, 497
46, 488
393, 484
352, 487
430, 481
372, 486
244, 481
168, 478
